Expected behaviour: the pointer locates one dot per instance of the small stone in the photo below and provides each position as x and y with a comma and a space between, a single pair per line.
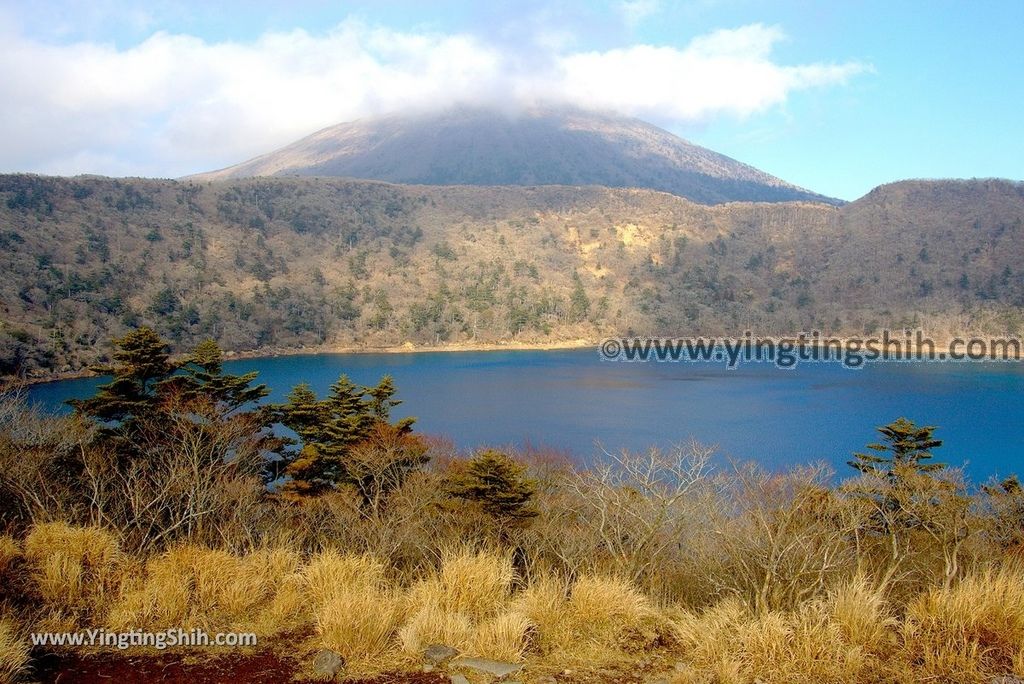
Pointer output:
328, 663
439, 653
458, 679
428, 668
492, 667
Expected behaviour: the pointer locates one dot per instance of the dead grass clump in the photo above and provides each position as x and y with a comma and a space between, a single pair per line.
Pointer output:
10, 578
544, 603
972, 631
465, 605
862, 616
709, 638
10, 551
14, 651
330, 572
477, 584
610, 612
193, 586
355, 612
430, 624
845, 637
77, 571
503, 637
363, 627
595, 619
286, 607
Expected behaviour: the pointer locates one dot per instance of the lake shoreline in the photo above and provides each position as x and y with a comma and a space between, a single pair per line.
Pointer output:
270, 353
405, 348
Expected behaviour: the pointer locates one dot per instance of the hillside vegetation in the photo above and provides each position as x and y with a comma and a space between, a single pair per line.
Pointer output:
263, 264
156, 505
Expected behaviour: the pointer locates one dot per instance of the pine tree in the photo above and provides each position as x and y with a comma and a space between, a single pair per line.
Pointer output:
350, 415
304, 413
329, 429
579, 303
142, 364
906, 448
381, 401
498, 483
203, 377
149, 390
310, 473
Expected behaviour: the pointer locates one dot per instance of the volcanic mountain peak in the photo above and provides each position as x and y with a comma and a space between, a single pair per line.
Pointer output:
542, 145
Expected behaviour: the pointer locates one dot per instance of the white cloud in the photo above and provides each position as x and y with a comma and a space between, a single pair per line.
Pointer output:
726, 72
176, 104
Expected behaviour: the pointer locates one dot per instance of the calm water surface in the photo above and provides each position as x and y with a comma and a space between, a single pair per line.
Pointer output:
571, 399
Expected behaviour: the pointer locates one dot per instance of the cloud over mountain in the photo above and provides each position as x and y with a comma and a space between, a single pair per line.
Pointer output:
541, 145
176, 103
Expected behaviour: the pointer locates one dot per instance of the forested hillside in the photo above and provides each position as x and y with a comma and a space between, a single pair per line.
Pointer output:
285, 263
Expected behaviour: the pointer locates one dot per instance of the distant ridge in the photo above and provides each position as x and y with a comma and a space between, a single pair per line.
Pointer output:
538, 146
333, 263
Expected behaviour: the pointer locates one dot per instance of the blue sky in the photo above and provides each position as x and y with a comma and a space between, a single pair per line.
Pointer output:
837, 97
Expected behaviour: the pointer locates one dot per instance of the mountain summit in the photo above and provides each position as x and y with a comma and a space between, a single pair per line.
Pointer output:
537, 146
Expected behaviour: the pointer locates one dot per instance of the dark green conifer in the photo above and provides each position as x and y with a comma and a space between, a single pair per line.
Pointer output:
906, 447
330, 428
141, 364
498, 483
203, 377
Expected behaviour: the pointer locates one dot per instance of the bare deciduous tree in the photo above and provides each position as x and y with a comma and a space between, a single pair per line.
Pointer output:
637, 504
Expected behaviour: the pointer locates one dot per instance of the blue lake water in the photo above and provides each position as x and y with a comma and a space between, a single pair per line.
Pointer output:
569, 400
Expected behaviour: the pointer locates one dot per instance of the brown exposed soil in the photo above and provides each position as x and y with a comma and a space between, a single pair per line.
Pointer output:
264, 667
141, 669
254, 668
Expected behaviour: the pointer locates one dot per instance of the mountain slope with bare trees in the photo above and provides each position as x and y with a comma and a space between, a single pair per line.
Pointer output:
320, 263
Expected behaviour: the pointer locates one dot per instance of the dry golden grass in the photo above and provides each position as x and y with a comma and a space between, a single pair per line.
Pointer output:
465, 604
330, 572
709, 638
362, 626
76, 570
287, 607
544, 604
355, 611
14, 651
972, 631
597, 619
431, 625
968, 633
10, 550
863, 618
476, 584
193, 586
503, 637
609, 612
846, 637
